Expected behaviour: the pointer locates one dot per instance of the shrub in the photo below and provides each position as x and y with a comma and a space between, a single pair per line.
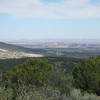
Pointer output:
32, 72
77, 95
87, 75
5, 94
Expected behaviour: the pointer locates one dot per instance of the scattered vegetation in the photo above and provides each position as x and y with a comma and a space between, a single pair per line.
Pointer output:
51, 78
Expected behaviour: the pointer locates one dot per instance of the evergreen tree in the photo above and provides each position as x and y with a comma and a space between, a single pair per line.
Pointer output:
87, 75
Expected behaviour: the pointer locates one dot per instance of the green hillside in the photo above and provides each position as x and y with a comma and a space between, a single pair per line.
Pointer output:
62, 62
50, 79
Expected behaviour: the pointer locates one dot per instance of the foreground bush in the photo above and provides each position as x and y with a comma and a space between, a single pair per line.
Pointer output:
32, 72
51, 94
87, 75
77, 95
6, 94
44, 94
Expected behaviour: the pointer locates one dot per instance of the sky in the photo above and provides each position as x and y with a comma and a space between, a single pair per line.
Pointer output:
49, 19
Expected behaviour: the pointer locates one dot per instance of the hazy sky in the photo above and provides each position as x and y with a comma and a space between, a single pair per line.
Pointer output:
29, 19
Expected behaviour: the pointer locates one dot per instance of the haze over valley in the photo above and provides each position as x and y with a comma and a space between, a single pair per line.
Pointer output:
77, 48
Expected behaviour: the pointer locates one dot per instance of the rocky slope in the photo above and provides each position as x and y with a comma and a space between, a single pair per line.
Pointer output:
12, 51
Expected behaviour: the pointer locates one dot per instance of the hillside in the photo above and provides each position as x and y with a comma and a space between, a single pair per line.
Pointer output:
12, 47
51, 78
13, 51
62, 62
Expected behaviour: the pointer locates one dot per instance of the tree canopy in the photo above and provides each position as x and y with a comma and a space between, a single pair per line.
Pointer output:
33, 71
87, 75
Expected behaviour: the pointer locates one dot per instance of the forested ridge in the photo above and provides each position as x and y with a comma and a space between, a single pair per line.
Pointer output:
50, 78
7, 64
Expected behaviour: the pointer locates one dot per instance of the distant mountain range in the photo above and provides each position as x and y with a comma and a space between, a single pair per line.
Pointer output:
67, 41
58, 43
13, 51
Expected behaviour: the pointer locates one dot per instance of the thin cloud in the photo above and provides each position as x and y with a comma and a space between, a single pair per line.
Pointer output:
38, 9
